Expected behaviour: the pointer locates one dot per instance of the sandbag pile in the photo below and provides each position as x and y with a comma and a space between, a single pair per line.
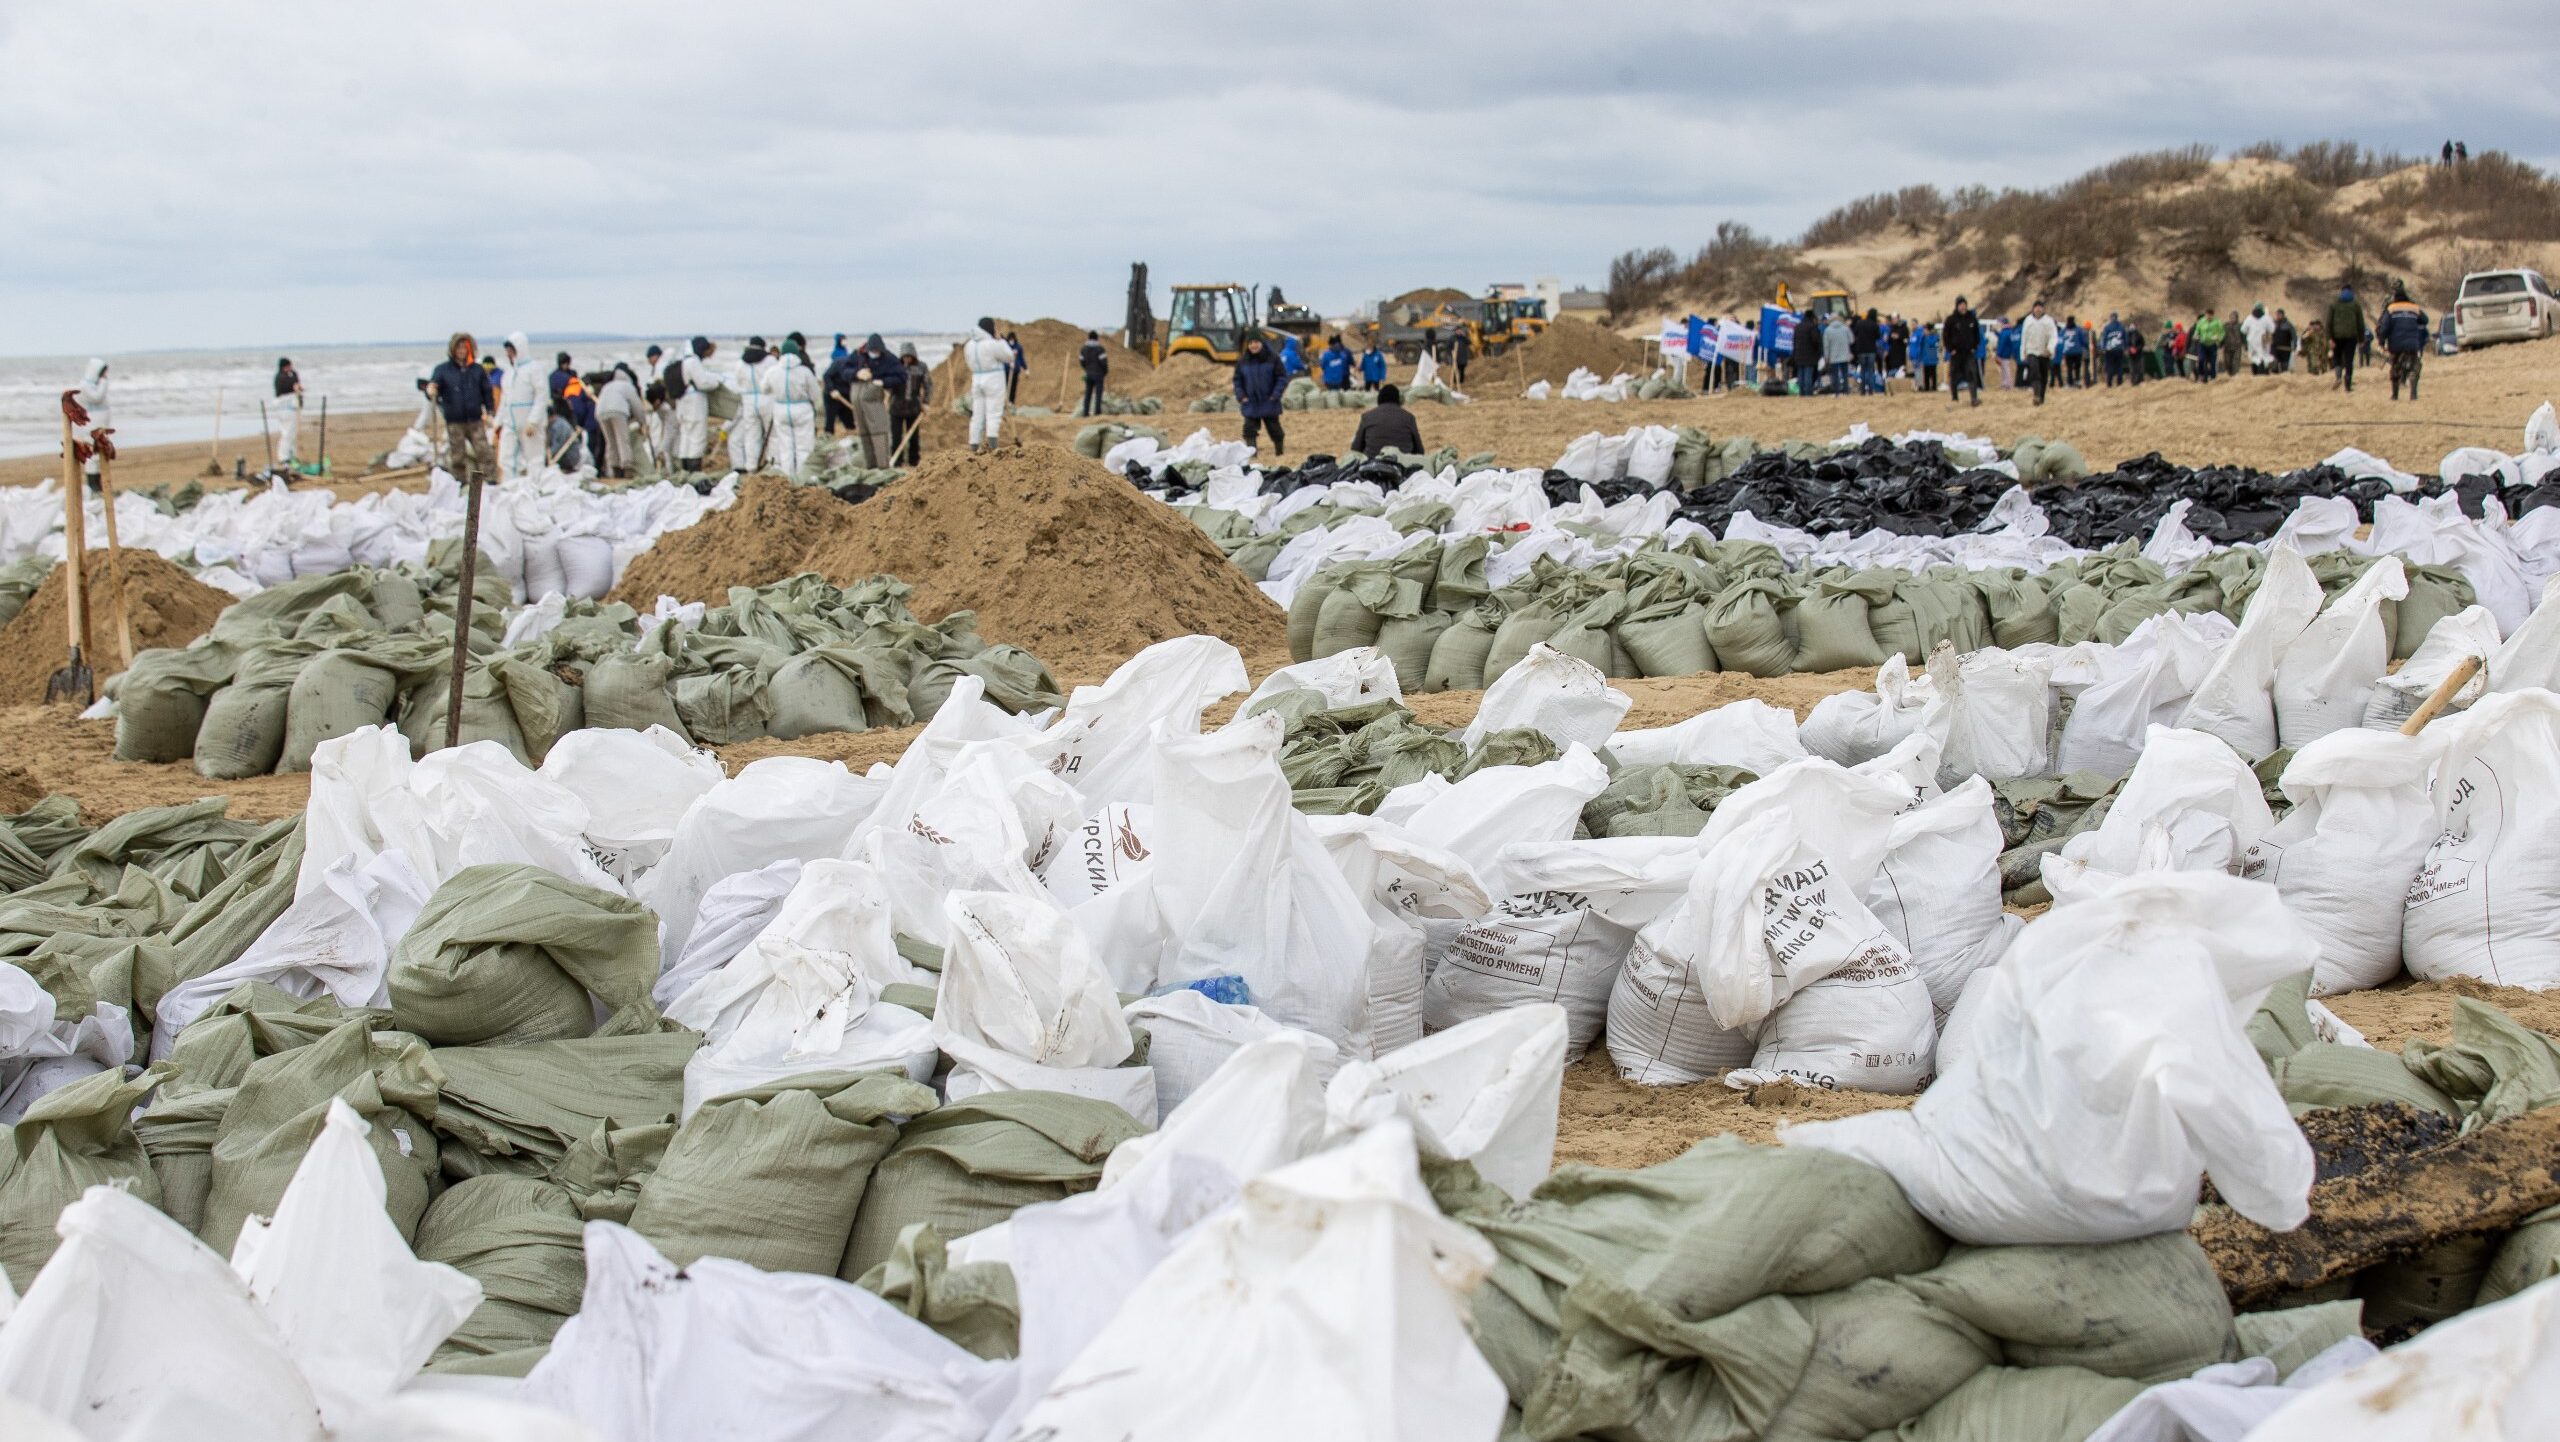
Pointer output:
1057, 1078
552, 532
311, 660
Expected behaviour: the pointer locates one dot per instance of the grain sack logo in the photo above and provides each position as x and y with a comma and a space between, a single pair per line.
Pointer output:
1126, 842
2445, 872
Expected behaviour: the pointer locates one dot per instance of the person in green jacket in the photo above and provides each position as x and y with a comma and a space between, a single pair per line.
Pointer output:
2346, 333
2204, 345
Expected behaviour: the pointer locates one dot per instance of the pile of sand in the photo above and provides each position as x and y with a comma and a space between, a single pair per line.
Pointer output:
1568, 342
1053, 553
1428, 295
1181, 380
168, 608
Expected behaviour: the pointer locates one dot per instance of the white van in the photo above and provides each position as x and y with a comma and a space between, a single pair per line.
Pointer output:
2496, 305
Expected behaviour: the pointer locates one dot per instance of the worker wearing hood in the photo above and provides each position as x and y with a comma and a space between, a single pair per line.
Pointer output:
286, 414
693, 409
792, 392
93, 399
524, 408
990, 363
876, 374
746, 428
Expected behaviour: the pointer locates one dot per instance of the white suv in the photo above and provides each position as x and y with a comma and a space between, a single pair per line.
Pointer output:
2497, 305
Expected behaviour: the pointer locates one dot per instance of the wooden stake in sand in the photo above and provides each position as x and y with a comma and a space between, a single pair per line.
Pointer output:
462, 609
213, 453
115, 552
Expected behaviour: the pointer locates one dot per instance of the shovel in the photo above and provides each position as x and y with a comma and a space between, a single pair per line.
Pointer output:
74, 680
106, 451
2442, 696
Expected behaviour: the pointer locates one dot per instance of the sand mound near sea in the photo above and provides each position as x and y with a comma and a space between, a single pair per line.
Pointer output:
1567, 343
1053, 553
168, 607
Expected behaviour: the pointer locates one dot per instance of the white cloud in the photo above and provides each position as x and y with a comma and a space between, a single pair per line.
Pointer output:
228, 172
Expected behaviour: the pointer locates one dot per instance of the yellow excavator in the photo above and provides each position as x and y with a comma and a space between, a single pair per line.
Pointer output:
1216, 320
1827, 302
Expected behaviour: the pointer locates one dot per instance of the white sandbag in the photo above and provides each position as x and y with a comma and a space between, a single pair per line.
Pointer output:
1330, 1303
1484, 1092
1241, 887
2344, 856
1650, 451
989, 822
2088, 1080
586, 566
1551, 692
804, 996
658, 1353
1345, 678
2120, 692
1855, 726
1024, 1006
357, 1311
1938, 889
1108, 848
2226, 1401
1591, 456
2434, 531
781, 808
1771, 909
2486, 900
2530, 657
637, 786
1562, 932
2542, 429
1999, 713
1261, 1109
135, 1324
2191, 804
335, 942
1406, 885
2236, 700
1477, 817
1100, 741
1190, 1036
445, 1413
469, 805
2488, 1375
733, 911
2324, 680
48, 1055
1751, 734
2468, 633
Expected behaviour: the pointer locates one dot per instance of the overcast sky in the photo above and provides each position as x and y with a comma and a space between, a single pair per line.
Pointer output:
222, 172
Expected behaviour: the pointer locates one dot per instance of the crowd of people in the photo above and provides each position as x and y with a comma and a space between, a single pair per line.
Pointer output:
1837, 354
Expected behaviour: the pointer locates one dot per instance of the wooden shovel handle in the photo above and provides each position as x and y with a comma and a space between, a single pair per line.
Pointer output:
2443, 696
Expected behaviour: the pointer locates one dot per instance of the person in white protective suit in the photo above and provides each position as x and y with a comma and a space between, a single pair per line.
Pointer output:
693, 409
93, 399
746, 429
793, 395
2258, 333
621, 412
286, 415
524, 409
990, 363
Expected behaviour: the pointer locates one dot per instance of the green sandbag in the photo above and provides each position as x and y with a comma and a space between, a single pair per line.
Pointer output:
242, 733
160, 703
974, 1163
1305, 610
2012, 1404
1458, 656
334, 693
604, 1170
974, 1306
281, 1107
814, 692
1832, 629
723, 708
2326, 1074
2496, 1068
1408, 642
1839, 1363
178, 1134
2413, 1293
254, 1020
523, 1241
2021, 611
773, 1176
1586, 636
2435, 592
1668, 638
2529, 1254
2291, 1336
1533, 624
1363, 596
1664, 800
1510, 746
630, 692
2150, 1309
528, 1104
73, 1138
1746, 632
222, 924
512, 953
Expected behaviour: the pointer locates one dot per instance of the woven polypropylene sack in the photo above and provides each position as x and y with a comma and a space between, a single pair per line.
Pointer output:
974, 1163
513, 953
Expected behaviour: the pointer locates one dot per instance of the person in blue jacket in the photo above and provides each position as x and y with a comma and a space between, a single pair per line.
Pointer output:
2111, 349
1925, 349
1260, 381
1373, 367
2073, 351
1333, 365
1292, 359
2008, 353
